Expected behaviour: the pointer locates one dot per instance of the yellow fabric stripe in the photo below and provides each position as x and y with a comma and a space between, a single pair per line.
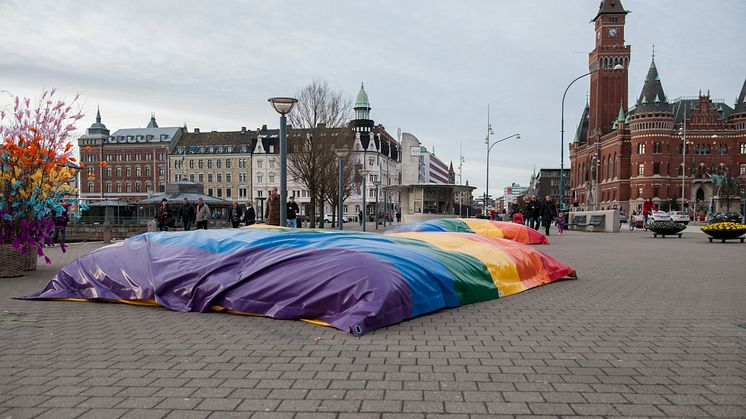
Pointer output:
502, 269
484, 227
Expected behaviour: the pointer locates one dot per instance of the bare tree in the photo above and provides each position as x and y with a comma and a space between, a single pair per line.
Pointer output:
311, 153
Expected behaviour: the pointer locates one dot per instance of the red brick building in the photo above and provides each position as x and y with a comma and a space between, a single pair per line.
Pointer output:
136, 161
621, 155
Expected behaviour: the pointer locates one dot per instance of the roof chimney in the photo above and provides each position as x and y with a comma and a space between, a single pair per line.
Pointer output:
196, 130
243, 130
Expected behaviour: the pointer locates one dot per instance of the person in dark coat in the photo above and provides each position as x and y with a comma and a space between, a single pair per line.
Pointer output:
533, 213
186, 214
548, 212
292, 212
272, 213
163, 215
249, 216
235, 214
60, 224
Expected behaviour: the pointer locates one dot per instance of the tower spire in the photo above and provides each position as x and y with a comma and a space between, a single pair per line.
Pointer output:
652, 96
98, 114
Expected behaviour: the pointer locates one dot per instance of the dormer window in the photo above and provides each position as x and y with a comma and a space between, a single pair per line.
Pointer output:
212, 149
164, 137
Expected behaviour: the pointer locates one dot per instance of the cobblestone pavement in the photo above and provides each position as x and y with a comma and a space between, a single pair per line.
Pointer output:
652, 327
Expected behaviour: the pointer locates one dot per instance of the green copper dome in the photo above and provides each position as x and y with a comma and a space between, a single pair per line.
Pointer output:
361, 101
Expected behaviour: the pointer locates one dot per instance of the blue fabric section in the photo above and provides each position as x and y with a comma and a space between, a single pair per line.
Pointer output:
430, 282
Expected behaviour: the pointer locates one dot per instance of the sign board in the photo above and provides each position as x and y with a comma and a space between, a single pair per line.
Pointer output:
415, 151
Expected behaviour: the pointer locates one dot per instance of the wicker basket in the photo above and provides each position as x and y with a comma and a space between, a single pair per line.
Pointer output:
11, 262
29, 260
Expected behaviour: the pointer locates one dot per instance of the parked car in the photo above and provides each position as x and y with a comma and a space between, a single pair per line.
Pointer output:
722, 217
345, 218
679, 217
657, 216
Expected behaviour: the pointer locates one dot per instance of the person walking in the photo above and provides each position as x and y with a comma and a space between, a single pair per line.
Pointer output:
272, 213
360, 217
235, 214
163, 215
548, 212
292, 213
203, 214
186, 214
249, 216
60, 224
561, 223
533, 208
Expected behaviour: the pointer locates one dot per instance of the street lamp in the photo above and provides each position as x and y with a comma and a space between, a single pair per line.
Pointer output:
341, 155
617, 67
283, 106
489, 147
376, 183
364, 173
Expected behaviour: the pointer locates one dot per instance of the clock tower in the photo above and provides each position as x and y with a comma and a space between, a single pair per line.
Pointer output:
608, 86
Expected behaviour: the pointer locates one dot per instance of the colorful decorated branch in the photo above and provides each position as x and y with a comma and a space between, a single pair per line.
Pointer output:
36, 169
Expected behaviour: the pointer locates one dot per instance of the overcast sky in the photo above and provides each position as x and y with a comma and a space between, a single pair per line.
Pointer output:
429, 67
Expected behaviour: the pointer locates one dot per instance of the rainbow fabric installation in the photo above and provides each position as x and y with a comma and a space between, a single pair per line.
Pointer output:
510, 231
355, 282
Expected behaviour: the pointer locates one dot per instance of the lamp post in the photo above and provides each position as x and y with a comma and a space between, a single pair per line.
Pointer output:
283, 106
489, 147
341, 155
617, 67
376, 183
364, 173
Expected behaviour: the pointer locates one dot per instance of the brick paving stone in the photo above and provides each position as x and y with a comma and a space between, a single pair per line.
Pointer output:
101, 413
612, 343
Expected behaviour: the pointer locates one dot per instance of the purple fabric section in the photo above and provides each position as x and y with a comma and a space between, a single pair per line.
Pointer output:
351, 290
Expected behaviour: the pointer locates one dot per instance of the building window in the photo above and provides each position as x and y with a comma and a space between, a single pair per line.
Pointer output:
162, 187
161, 156
108, 172
241, 176
742, 169
371, 161
271, 149
271, 178
220, 192
209, 163
191, 164
209, 178
227, 163
128, 187
108, 187
228, 193
259, 178
90, 170
640, 169
138, 187
201, 178
90, 187
657, 148
639, 192
219, 164
259, 194
743, 148
258, 164
148, 172
722, 149
228, 177
271, 164
219, 177
162, 171
209, 191
191, 177
119, 188
656, 168
641, 148
242, 192
138, 170
200, 164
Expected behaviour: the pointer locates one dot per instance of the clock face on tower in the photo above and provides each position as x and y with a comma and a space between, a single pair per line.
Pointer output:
612, 32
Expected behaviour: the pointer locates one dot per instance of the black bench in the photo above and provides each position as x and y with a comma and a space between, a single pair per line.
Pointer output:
596, 222
578, 221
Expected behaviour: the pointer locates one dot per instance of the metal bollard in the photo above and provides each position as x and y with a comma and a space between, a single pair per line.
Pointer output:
107, 233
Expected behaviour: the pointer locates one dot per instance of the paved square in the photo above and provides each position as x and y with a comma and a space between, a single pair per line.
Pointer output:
652, 327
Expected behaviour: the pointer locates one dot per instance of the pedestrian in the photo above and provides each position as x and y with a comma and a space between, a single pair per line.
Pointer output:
163, 216
272, 213
533, 208
293, 211
360, 217
203, 214
235, 214
492, 214
398, 216
60, 224
186, 214
561, 223
548, 212
249, 216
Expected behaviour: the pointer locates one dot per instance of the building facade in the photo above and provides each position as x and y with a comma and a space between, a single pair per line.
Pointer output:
511, 194
130, 164
220, 161
547, 183
657, 148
